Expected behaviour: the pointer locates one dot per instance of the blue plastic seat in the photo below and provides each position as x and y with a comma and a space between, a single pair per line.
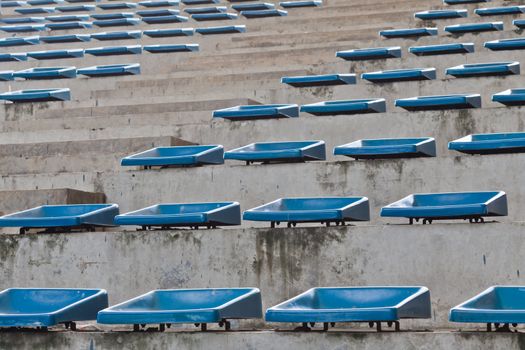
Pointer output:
221, 30
254, 6
440, 14
24, 28
114, 50
301, 3
54, 218
19, 41
270, 152
388, 148
164, 19
161, 33
117, 5
325, 210
42, 2
193, 215
47, 307
119, 35
461, 2
499, 305
346, 107
498, 11
68, 38
199, 2
474, 27
210, 9
37, 95
513, 142
110, 70
251, 112
35, 10
19, 20
116, 15
56, 54
353, 304
444, 206
319, 80
171, 48
194, 306
407, 33
214, 16
69, 25
506, 44
117, 22
153, 13
177, 156
370, 54
46, 73
13, 57
511, 97
439, 102
76, 8
264, 13
519, 23
442, 49
13, 3
6, 75
396, 75
67, 18
484, 69
159, 3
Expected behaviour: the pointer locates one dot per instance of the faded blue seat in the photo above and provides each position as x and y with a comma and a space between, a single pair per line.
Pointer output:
498, 11
210, 9
13, 3
214, 16
76, 8
19, 20
484, 69
67, 18
444, 206
171, 48
270, 152
199, 2
37, 95
54, 218
124, 35
164, 19
439, 102
370, 54
177, 156
440, 14
254, 6
442, 49
6, 75
117, 22
263, 13
161, 33
153, 13
353, 304
511, 97
46, 307
347, 107
56, 54
159, 3
501, 305
251, 112
460, 2
319, 80
117, 15
194, 215
513, 142
474, 27
110, 70
519, 23
407, 33
395, 75
68, 38
325, 210
13, 57
194, 306
19, 41
46, 73
114, 50
388, 148
117, 5
300, 3
34, 10
68, 25
221, 30
506, 44
42, 2
24, 28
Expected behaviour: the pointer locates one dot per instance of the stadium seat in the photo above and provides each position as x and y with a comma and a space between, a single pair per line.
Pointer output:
511, 97
263, 13
164, 19
117, 5
498, 11
512, 142
153, 13
69, 25
46, 73
56, 54
124, 35
193, 215
347, 107
115, 15
473, 206
13, 57
68, 38
370, 54
442, 49
372, 305
439, 102
252, 112
114, 50
388, 148
19, 41
36, 95
505, 44
20, 20
200, 17
211, 9
13, 3
110, 70
24, 28
176, 156
440, 14
171, 48
474, 27
407, 33
67, 18
161, 33
159, 3
519, 23
35, 10
319, 80
278, 152
199, 2
300, 3
6, 75
327, 210
42, 2
76, 8
484, 69
221, 30
396, 75
194, 306
254, 6
117, 22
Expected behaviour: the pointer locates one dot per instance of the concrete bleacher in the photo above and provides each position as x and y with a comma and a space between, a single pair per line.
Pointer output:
69, 152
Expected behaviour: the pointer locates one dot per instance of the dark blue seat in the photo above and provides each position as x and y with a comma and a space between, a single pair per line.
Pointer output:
42, 2
117, 15
68, 38
24, 28
161, 33
440, 14
159, 3
271, 152
20, 20
117, 22
513, 142
47, 307
68, 25
46, 73
439, 102
484, 69
370, 54
511, 97
199, 2
164, 19
171, 48
319, 80
444, 206
221, 30
115, 50
76, 8
254, 6
177, 156
388, 148
110, 70
194, 215
251, 112
156, 12
124, 35
325, 210
396, 75
407, 33
519, 23
194, 306
37, 95
34, 10
346, 107
353, 304
56, 54
505, 44
19, 41
263, 13
67, 18
6, 75
474, 27
498, 11
219, 16
210, 9
300, 3
117, 5
442, 49
13, 3
13, 57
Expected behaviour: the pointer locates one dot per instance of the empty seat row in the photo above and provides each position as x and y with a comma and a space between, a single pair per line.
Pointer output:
472, 206
452, 29
452, 13
42, 73
83, 7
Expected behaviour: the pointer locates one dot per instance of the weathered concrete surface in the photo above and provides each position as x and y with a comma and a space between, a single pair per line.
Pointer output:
455, 261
